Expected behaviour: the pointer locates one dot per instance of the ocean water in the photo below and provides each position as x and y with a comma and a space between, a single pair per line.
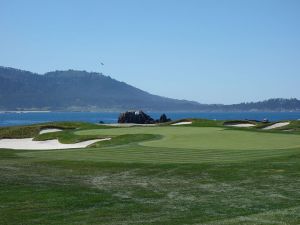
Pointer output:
12, 119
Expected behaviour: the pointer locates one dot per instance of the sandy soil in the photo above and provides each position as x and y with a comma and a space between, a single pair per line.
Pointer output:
242, 125
276, 125
30, 144
44, 131
128, 124
181, 123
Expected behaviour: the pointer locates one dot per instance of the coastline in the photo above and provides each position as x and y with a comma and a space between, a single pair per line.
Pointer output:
16, 118
27, 111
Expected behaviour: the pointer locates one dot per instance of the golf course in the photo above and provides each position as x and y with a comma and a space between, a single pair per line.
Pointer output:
198, 172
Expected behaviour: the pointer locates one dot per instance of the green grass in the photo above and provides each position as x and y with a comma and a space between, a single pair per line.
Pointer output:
33, 130
66, 192
199, 174
294, 127
205, 138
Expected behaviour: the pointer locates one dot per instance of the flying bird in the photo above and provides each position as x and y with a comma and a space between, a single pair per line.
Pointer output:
102, 64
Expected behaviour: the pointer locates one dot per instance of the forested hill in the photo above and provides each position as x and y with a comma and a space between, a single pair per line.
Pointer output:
87, 91
77, 90
275, 104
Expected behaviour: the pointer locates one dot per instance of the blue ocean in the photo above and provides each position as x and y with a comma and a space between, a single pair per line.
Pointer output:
17, 118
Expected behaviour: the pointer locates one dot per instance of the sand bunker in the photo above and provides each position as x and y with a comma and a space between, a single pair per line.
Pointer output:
30, 144
241, 125
44, 131
128, 124
276, 125
181, 123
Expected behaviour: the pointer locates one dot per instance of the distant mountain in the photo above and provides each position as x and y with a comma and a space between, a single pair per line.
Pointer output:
77, 90
83, 91
275, 104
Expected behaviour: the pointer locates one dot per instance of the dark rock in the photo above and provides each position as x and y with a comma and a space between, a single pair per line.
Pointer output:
163, 119
135, 117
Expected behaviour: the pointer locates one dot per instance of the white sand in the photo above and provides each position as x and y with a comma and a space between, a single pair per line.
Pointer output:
128, 124
276, 125
44, 131
242, 125
181, 123
30, 144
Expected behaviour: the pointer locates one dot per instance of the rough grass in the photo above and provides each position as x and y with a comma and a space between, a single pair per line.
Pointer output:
66, 137
33, 130
263, 191
293, 127
19, 132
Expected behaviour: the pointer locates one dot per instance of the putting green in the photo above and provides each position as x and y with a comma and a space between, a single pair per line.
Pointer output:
205, 138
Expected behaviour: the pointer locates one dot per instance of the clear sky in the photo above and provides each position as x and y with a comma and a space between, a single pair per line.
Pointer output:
224, 51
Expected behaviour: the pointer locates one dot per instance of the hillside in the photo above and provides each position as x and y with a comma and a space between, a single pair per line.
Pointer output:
275, 104
88, 91
77, 90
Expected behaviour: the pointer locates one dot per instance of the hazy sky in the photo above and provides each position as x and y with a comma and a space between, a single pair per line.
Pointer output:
208, 51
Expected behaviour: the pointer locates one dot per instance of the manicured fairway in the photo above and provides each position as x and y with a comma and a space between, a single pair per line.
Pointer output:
181, 145
206, 138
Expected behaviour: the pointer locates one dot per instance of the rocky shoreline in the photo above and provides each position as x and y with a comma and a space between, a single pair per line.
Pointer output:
139, 117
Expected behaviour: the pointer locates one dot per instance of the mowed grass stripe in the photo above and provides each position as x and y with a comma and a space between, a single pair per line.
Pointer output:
279, 216
160, 155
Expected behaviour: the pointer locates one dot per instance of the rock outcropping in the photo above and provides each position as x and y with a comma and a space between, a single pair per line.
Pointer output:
138, 117
163, 119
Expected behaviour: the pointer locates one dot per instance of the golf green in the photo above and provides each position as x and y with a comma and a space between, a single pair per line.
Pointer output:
205, 138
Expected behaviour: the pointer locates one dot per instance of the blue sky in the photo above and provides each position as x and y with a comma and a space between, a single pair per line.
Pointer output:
208, 51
